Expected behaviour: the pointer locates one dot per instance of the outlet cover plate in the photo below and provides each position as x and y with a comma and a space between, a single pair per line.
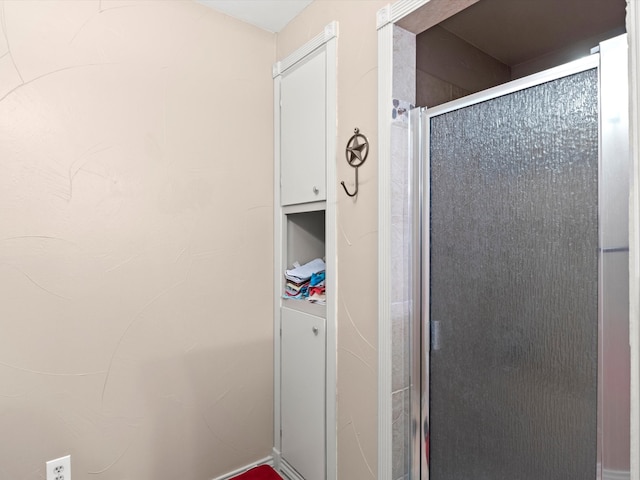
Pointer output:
59, 469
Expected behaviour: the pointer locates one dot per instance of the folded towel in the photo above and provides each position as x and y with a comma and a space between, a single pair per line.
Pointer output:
305, 271
317, 279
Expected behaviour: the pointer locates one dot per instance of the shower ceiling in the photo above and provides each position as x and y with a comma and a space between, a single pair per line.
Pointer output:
516, 31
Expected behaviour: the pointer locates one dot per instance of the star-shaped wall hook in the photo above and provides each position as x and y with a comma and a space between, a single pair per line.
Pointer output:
356, 152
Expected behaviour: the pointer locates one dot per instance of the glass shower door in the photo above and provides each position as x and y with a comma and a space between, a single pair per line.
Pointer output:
514, 290
514, 285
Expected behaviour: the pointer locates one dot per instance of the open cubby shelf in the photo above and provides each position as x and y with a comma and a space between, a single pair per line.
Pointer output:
305, 240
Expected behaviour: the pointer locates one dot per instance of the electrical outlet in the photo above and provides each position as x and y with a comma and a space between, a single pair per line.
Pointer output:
59, 469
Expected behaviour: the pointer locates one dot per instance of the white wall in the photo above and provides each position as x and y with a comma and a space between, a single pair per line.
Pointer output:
135, 239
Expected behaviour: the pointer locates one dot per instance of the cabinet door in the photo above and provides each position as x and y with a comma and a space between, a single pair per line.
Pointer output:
302, 393
303, 125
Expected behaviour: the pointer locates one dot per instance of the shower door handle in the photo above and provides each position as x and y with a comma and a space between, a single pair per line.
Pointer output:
434, 335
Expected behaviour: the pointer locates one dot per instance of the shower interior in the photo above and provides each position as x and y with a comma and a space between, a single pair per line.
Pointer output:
438, 65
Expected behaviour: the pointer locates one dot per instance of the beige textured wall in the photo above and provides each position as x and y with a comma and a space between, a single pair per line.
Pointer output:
357, 223
136, 239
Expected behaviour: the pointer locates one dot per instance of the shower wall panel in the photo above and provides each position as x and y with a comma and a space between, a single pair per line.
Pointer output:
404, 86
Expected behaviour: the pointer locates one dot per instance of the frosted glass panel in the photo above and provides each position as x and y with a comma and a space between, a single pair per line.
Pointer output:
514, 285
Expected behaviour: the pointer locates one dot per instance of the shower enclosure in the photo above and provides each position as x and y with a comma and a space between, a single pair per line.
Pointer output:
520, 353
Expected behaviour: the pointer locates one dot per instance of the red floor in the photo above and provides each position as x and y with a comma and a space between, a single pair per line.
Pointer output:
263, 472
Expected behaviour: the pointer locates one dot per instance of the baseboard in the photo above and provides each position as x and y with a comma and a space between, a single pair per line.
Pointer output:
276, 458
615, 475
264, 461
288, 471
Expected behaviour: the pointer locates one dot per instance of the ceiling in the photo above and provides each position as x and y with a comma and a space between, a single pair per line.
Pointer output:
270, 15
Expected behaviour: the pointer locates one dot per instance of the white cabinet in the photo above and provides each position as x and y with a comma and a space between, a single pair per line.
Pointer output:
305, 85
303, 354
303, 106
303, 393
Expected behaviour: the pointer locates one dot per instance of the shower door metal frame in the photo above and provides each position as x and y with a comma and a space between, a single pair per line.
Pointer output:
614, 170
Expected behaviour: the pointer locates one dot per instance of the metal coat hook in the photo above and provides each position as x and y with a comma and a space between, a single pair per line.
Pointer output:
356, 153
